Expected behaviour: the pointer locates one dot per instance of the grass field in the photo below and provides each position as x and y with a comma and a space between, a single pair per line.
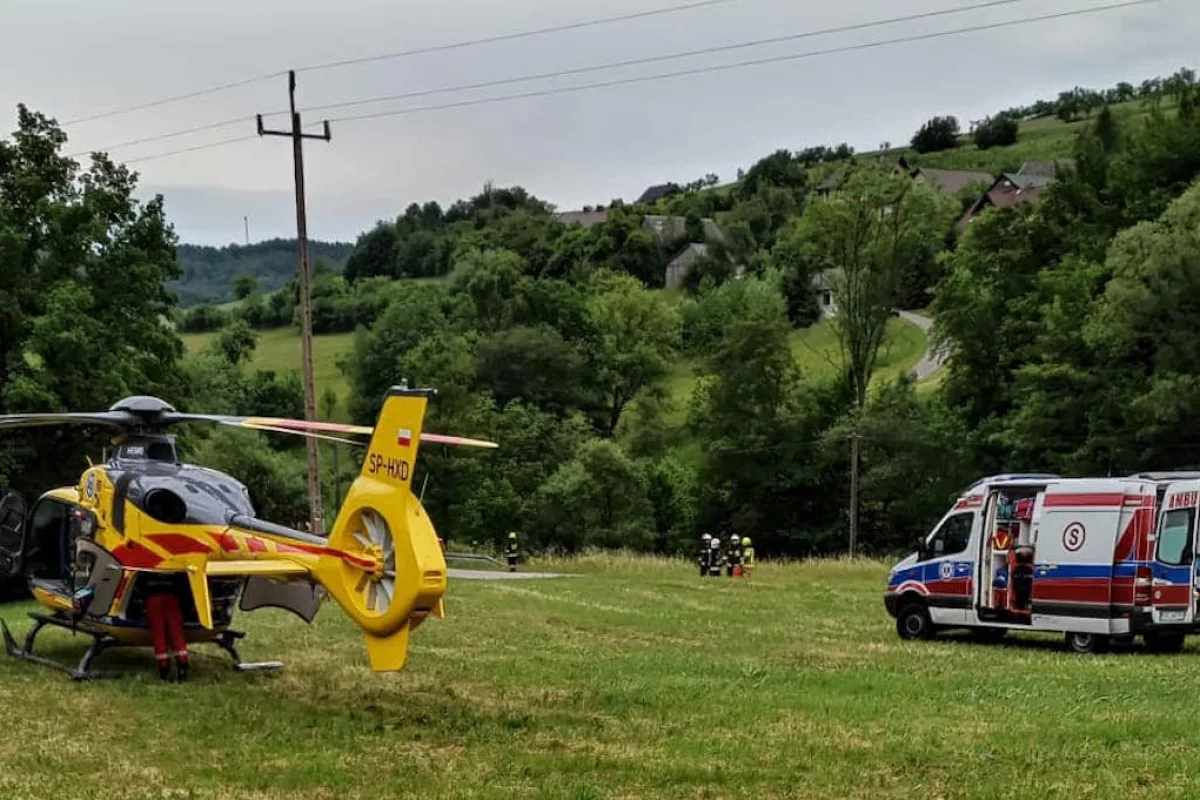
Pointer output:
638, 680
279, 349
817, 355
1039, 140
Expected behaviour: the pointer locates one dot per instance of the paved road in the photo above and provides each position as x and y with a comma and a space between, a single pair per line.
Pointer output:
931, 362
490, 575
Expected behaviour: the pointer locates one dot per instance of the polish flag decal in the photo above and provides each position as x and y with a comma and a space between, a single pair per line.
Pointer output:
404, 438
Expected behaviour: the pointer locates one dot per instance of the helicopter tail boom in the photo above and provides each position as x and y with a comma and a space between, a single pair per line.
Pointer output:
381, 523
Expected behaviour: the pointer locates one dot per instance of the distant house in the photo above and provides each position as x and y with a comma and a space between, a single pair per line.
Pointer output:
946, 181
951, 181
585, 218
831, 184
1026, 185
671, 230
822, 286
679, 267
1045, 169
658, 192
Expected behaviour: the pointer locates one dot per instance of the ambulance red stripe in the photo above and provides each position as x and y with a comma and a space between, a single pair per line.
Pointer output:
1104, 500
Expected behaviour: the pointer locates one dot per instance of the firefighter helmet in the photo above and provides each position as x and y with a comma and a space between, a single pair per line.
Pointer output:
745, 541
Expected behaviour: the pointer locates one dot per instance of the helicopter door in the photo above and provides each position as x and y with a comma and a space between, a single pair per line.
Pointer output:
12, 534
101, 572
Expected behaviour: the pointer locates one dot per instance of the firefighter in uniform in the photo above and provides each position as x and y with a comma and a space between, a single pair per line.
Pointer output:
714, 557
747, 556
733, 556
704, 556
511, 551
165, 615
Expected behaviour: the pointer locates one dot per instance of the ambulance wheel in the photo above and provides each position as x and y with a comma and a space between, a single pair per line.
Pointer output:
1087, 642
913, 622
1163, 642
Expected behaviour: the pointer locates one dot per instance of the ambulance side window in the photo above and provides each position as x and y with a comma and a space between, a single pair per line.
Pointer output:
954, 535
1175, 539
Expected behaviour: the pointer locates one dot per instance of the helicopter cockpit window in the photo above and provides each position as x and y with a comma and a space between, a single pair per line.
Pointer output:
190, 499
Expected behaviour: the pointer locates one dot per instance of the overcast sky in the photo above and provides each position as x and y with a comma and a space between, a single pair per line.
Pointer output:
73, 58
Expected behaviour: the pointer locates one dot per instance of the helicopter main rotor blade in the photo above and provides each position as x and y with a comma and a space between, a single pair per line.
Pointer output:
312, 427
115, 419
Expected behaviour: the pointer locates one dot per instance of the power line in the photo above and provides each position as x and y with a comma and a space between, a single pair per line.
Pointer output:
506, 37
162, 136
400, 54
668, 57
174, 98
193, 149
692, 71
583, 70
743, 64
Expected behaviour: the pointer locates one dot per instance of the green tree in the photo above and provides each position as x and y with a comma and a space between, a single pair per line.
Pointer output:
879, 229
939, 133
84, 312
374, 254
244, 286
236, 342
998, 131
598, 499
756, 423
536, 365
636, 334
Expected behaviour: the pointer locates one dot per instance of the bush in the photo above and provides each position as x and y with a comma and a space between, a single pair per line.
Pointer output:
939, 133
202, 319
998, 131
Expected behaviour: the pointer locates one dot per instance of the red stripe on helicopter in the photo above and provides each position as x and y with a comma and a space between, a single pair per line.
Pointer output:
131, 555
178, 544
227, 541
256, 545
365, 563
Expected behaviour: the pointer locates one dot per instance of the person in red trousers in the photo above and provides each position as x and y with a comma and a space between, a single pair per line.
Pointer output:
165, 615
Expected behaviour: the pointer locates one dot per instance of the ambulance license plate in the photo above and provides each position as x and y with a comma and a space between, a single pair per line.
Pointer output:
1173, 616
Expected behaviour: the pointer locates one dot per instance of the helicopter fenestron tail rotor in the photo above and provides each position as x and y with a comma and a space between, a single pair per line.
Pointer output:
387, 570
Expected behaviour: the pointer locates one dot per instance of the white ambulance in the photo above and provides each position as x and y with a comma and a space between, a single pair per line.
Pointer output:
1097, 559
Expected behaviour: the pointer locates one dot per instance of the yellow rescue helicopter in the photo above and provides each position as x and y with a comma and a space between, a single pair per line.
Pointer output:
86, 548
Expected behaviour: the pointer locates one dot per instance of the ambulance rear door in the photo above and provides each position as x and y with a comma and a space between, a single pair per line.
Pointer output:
1171, 595
1076, 529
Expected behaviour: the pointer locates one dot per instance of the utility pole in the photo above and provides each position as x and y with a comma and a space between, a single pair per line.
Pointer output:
296, 134
246, 221
854, 438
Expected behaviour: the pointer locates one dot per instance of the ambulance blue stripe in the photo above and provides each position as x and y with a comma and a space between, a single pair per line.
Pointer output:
1124, 569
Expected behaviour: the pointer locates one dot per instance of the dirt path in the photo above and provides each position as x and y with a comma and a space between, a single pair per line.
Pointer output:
931, 362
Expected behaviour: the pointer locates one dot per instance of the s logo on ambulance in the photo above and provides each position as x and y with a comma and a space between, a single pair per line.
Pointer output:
1074, 536
946, 570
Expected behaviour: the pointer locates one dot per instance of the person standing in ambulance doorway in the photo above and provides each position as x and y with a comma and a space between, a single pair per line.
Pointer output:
747, 557
512, 552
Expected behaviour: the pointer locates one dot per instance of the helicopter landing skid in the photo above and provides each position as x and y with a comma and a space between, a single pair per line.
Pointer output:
225, 641
102, 641
79, 672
